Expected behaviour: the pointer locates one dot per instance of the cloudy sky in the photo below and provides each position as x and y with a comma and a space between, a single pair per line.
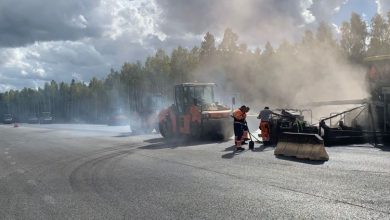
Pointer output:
41, 40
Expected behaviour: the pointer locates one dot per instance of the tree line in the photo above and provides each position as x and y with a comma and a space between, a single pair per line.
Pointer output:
254, 73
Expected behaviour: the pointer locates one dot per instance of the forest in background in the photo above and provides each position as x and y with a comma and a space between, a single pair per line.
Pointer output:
319, 67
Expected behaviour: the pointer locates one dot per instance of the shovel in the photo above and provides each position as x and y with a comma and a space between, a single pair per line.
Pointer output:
251, 143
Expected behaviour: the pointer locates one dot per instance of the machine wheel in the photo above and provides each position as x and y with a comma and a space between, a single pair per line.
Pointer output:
161, 129
165, 129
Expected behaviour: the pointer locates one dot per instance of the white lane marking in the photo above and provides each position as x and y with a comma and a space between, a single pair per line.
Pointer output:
32, 182
49, 199
13, 163
6, 152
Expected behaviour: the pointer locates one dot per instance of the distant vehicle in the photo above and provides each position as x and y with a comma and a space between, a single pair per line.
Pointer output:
46, 118
33, 119
8, 119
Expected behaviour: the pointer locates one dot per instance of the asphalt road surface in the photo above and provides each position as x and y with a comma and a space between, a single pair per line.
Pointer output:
100, 172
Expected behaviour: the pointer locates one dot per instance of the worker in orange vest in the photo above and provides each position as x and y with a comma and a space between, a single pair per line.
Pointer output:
240, 127
265, 126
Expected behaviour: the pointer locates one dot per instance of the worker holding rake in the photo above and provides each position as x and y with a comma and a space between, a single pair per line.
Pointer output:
240, 127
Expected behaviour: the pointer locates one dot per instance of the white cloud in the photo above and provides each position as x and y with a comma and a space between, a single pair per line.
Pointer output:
43, 40
383, 6
306, 13
379, 6
323, 10
39, 71
77, 76
6, 87
45, 61
79, 22
136, 18
15, 58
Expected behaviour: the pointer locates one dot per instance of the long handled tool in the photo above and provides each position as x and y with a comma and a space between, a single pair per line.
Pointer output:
254, 137
251, 143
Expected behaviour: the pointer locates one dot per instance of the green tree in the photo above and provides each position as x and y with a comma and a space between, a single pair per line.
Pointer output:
324, 33
229, 42
346, 41
268, 50
354, 35
180, 66
207, 48
379, 43
159, 74
308, 38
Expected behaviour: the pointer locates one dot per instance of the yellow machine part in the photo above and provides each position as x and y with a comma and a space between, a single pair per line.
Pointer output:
301, 145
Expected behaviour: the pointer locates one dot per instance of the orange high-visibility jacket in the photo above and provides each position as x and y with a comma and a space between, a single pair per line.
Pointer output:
239, 116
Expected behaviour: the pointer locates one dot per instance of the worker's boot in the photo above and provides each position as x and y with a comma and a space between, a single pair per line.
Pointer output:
238, 146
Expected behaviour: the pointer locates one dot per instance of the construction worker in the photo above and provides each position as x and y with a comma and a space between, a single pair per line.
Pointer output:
265, 126
239, 116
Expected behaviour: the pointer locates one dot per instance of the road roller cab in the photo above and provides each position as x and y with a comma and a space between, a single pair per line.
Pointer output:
195, 114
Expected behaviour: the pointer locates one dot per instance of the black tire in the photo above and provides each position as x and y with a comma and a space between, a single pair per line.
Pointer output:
165, 129
162, 128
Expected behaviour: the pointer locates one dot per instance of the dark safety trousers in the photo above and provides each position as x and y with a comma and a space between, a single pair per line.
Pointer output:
239, 133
